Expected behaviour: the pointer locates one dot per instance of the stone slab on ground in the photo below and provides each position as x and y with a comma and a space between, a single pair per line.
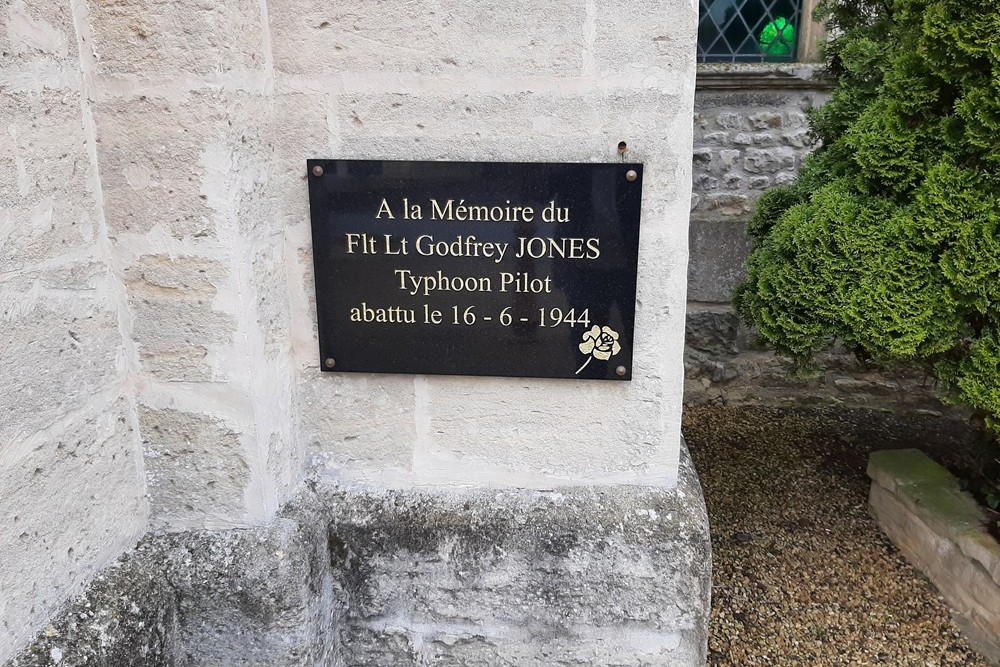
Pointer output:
942, 531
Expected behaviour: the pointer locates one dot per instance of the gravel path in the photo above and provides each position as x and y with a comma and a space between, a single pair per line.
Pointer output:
802, 574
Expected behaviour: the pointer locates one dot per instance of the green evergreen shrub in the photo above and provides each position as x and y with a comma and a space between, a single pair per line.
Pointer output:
889, 240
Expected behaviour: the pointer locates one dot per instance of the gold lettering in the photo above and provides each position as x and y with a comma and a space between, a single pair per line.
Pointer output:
391, 315
424, 285
384, 208
521, 282
438, 213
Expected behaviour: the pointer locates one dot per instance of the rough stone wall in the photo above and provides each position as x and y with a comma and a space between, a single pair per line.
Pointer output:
71, 470
749, 135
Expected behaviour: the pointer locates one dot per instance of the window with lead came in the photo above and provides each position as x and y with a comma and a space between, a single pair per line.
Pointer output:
742, 31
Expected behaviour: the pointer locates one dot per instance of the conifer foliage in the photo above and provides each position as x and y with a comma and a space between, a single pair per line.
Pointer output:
890, 238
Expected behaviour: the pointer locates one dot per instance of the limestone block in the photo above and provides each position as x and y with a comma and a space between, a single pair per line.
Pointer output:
355, 420
801, 138
39, 37
766, 119
757, 161
464, 438
981, 548
187, 274
519, 577
259, 596
175, 318
705, 182
60, 353
718, 252
730, 121
71, 501
196, 166
269, 281
177, 325
151, 37
729, 205
47, 207
702, 156
797, 119
531, 647
126, 616
733, 181
939, 529
728, 158
527, 126
313, 37
196, 469
309, 128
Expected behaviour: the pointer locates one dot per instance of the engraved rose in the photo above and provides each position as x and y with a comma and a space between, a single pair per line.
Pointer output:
600, 343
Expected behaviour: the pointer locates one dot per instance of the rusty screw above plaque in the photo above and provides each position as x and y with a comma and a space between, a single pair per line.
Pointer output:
630, 175
329, 363
318, 171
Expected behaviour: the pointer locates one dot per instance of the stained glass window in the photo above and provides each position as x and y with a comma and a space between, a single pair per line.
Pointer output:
748, 30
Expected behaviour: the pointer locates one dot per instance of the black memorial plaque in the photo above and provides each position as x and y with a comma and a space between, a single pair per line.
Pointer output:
476, 268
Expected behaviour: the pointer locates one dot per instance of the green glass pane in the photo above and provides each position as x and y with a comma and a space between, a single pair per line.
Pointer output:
777, 38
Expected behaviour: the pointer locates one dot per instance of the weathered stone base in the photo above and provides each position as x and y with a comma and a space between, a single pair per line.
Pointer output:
575, 576
939, 529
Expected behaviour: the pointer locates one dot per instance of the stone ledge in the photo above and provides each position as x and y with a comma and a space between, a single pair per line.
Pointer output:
939, 529
775, 76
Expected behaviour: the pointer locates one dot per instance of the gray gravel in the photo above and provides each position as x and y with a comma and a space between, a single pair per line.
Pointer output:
802, 574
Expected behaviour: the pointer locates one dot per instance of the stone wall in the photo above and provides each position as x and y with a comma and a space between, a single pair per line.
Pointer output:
750, 134
157, 287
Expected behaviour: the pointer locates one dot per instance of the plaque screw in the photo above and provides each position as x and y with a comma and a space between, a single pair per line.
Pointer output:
329, 362
621, 370
318, 171
630, 175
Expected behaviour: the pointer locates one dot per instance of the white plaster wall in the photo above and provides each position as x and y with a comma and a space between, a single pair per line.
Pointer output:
156, 279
